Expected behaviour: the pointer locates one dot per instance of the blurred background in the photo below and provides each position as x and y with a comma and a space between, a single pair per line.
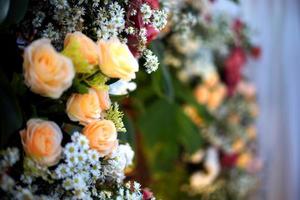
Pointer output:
277, 24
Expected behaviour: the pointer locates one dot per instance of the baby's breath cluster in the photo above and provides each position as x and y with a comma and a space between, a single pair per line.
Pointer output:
81, 174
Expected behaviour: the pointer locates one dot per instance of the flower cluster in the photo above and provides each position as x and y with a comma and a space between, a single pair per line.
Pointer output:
208, 53
92, 163
135, 22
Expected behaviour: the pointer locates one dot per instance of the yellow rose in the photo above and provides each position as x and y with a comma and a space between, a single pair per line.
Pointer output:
47, 72
84, 108
116, 60
102, 136
42, 141
82, 50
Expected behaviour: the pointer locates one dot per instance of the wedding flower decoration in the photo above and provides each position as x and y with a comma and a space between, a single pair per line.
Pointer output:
79, 156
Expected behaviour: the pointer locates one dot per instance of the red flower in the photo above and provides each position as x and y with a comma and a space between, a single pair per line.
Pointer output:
228, 160
238, 25
256, 52
137, 22
147, 194
154, 4
233, 67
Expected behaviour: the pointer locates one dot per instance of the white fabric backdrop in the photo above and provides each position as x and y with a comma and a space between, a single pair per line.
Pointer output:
277, 77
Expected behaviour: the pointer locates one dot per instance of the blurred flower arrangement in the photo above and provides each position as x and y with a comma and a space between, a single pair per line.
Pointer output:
197, 120
69, 148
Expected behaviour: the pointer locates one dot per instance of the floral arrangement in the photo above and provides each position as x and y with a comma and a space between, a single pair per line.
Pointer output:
76, 56
209, 149
135, 22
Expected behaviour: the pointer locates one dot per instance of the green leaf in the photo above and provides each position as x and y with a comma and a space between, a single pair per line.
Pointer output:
71, 128
161, 79
12, 116
80, 87
184, 94
16, 12
4, 8
166, 128
129, 136
97, 81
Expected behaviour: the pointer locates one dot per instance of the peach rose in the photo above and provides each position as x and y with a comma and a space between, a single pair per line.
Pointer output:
82, 50
216, 97
104, 99
84, 108
116, 60
42, 141
47, 72
202, 94
102, 136
211, 80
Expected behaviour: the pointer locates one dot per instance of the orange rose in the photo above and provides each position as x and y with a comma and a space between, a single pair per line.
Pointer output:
84, 108
42, 141
116, 60
82, 50
47, 72
102, 136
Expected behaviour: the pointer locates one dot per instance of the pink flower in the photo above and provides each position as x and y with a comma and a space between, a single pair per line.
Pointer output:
147, 194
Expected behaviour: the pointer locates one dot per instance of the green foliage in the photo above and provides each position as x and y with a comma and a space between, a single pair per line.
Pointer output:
97, 81
166, 128
11, 119
116, 116
12, 12
79, 86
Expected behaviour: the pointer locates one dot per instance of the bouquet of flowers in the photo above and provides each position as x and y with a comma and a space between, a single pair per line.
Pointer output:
69, 147
205, 145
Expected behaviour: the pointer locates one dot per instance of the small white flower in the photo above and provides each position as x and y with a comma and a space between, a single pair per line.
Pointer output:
93, 157
151, 63
62, 171
78, 182
72, 160
136, 186
95, 170
83, 142
75, 136
70, 150
67, 184
121, 87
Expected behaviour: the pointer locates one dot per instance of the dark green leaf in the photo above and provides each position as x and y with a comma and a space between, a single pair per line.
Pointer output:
4, 7
16, 12
11, 119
